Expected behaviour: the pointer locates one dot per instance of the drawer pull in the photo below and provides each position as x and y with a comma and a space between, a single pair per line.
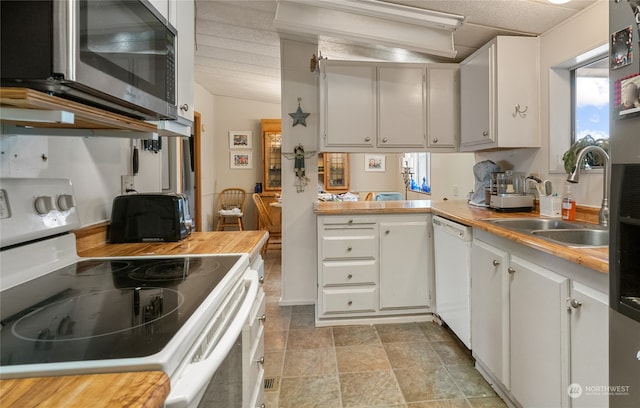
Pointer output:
511, 270
262, 318
387, 232
495, 262
350, 303
349, 276
367, 139
261, 280
349, 249
260, 360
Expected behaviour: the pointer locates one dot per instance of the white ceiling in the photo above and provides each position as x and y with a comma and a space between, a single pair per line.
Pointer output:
238, 50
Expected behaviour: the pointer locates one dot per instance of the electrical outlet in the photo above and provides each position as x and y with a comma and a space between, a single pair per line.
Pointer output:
455, 190
128, 184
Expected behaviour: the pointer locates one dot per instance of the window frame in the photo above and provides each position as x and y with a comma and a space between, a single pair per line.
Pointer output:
560, 130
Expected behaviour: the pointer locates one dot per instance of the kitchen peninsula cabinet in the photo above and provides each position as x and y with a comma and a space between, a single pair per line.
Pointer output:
405, 243
499, 95
388, 107
373, 267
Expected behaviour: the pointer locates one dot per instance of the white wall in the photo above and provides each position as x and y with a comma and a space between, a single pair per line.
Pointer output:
220, 115
299, 247
94, 166
204, 105
585, 31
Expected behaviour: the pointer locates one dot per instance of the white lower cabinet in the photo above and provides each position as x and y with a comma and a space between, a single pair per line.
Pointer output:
403, 263
490, 309
373, 266
536, 327
538, 331
589, 315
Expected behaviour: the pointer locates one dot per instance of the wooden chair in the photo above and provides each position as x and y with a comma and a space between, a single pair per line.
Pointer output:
275, 236
369, 196
230, 200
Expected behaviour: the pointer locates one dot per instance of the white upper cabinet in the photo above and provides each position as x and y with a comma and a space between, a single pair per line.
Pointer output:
443, 107
499, 95
348, 105
182, 14
387, 107
401, 106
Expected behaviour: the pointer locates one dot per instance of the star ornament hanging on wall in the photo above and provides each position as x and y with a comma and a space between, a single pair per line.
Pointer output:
299, 117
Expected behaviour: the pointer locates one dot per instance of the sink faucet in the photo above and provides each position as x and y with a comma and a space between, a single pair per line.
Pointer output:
574, 177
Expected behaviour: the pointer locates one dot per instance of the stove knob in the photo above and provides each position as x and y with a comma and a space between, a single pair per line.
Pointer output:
43, 204
66, 202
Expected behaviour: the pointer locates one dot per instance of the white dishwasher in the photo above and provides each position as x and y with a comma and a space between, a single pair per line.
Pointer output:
452, 253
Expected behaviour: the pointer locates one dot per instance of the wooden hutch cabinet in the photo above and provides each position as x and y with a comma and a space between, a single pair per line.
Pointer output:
333, 172
272, 166
272, 154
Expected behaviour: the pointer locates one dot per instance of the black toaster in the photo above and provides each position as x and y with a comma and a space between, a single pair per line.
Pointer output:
149, 217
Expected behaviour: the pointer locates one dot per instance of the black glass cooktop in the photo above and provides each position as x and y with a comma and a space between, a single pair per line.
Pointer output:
105, 309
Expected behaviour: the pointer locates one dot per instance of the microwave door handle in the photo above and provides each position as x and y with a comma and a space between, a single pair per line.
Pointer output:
196, 376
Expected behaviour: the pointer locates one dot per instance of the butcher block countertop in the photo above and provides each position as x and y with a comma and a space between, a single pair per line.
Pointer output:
217, 242
145, 389
460, 211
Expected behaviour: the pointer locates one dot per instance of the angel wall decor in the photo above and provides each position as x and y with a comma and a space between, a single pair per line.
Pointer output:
298, 157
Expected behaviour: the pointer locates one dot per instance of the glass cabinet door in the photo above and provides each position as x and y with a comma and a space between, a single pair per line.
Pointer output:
271, 154
335, 171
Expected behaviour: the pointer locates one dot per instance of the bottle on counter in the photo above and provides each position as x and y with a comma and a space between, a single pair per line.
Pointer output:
568, 204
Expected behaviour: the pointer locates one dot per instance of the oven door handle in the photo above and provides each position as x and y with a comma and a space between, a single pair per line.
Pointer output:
196, 376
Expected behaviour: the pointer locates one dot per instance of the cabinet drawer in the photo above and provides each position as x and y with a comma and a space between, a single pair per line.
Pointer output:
347, 221
255, 317
349, 300
349, 247
350, 273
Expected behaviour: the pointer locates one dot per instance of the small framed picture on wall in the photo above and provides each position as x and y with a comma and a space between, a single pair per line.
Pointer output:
240, 139
374, 162
240, 160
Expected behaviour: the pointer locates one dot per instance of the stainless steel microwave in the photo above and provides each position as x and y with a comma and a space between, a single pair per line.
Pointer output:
115, 54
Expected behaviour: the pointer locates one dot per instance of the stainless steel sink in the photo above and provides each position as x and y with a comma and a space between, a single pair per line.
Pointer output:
535, 223
576, 237
570, 233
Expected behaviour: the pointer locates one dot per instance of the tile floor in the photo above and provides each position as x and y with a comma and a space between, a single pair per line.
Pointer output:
412, 365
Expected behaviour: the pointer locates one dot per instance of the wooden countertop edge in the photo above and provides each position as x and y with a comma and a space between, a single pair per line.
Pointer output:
460, 211
146, 389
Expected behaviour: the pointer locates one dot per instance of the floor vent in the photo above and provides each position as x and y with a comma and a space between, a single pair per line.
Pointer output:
271, 384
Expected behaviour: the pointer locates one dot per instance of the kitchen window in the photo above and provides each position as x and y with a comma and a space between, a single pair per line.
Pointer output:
575, 88
419, 163
590, 100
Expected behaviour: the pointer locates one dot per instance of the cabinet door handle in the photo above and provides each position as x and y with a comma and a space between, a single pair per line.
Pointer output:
495, 262
485, 133
387, 232
349, 249
261, 280
349, 276
511, 270
575, 303
349, 303
260, 360
184, 107
435, 140
367, 139
262, 318
384, 140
